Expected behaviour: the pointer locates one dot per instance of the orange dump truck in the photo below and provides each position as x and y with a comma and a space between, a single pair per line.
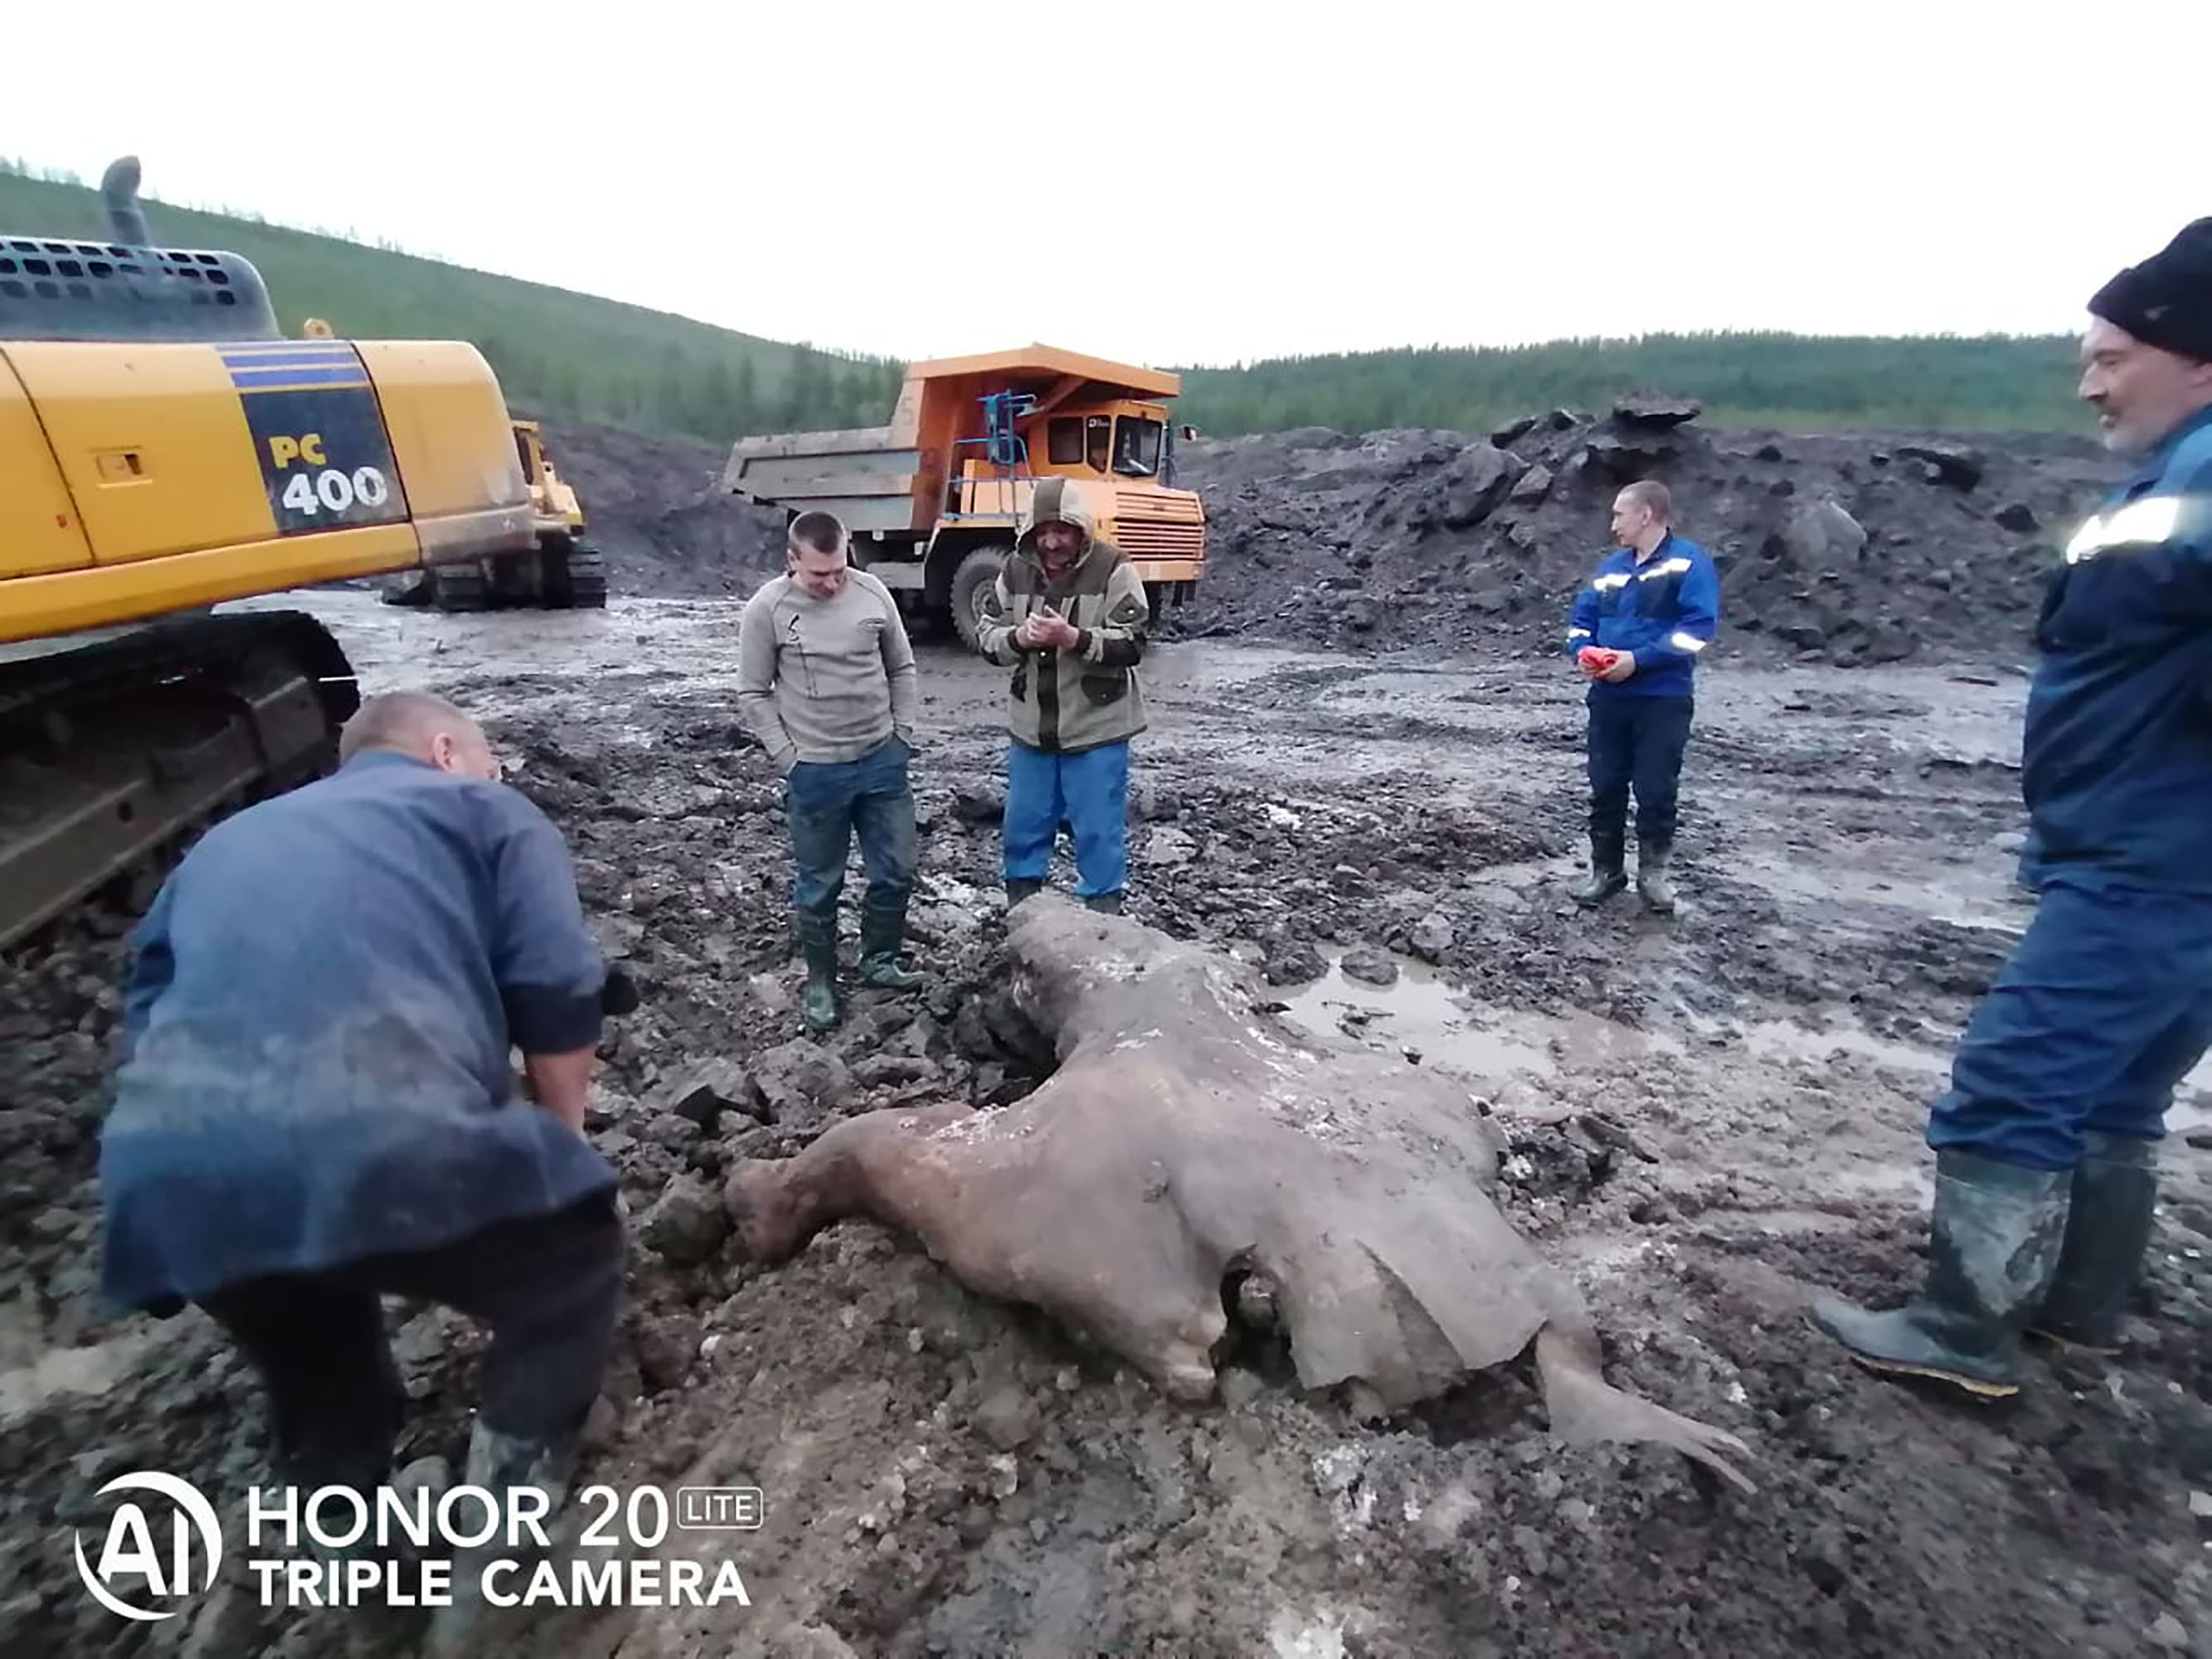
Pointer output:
932, 498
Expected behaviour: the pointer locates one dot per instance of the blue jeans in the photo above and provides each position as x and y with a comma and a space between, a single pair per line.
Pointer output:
2105, 1004
826, 802
1638, 742
1091, 791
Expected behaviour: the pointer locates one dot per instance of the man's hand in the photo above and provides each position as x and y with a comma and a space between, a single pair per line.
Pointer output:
1044, 630
1623, 666
561, 1084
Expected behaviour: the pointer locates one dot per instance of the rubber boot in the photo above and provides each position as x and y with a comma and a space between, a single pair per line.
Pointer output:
1105, 903
1021, 887
1993, 1247
1607, 877
817, 941
500, 1464
1651, 882
883, 934
2108, 1221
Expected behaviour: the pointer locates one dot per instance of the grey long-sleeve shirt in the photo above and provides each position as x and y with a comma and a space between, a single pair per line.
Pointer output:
825, 679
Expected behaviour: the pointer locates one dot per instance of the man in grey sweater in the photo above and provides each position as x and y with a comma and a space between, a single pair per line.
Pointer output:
826, 681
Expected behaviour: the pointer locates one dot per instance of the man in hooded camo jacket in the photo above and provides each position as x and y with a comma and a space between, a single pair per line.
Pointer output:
1069, 616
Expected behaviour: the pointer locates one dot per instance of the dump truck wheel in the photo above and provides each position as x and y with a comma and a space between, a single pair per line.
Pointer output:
971, 591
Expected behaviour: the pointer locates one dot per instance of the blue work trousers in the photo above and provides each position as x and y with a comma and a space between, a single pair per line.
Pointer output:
2105, 1004
827, 802
1089, 791
1636, 741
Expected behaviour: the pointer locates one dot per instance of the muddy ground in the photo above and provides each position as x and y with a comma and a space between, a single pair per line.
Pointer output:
1710, 1116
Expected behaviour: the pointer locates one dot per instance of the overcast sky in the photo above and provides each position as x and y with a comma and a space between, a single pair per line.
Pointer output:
1183, 183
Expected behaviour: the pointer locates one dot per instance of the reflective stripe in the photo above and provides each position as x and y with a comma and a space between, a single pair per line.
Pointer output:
1672, 567
1606, 584
1688, 642
1579, 633
2145, 523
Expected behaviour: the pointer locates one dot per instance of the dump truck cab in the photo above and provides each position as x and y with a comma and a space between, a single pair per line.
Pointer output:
935, 497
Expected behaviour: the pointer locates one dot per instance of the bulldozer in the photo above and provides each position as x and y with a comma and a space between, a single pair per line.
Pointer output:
565, 572
164, 449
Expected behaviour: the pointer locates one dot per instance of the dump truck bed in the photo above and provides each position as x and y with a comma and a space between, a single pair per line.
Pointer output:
866, 475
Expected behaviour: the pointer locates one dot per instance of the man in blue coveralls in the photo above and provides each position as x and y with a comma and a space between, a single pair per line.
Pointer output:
2045, 1142
1653, 604
313, 1106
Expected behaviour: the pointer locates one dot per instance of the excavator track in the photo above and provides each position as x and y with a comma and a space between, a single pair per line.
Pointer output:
113, 752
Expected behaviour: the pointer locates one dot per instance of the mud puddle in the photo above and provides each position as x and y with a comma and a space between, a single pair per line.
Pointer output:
1421, 1015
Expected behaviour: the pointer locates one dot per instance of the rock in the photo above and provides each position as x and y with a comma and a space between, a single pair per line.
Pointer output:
1240, 1388
677, 1133
664, 1354
1768, 451
1292, 961
1510, 434
1007, 1417
1369, 966
1950, 464
892, 1071
1821, 536
1534, 484
687, 1224
1638, 455
981, 802
1656, 408
703, 1093
797, 1081
1465, 492
1432, 937
2020, 517
2169, 1634
1170, 848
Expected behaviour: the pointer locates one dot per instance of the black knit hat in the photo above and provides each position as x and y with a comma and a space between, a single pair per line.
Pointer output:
2166, 301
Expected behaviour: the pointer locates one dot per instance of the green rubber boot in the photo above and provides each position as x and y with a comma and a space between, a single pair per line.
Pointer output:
1609, 875
817, 942
1993, 1247
2108, 1222
500, 1464
882, 935
1651, 882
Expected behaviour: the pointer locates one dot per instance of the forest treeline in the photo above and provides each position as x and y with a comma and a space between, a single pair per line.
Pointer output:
1795, 382
575, 357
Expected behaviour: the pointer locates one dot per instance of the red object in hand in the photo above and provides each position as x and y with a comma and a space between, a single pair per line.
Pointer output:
1597, 657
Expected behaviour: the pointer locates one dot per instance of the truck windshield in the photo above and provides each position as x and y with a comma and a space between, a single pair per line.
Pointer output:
1137, 447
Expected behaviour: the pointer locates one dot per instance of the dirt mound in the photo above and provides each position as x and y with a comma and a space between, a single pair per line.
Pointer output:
656, 508
1850, 549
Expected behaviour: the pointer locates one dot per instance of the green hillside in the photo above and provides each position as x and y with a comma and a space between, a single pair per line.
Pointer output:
566, 355
1795, 382
556, 353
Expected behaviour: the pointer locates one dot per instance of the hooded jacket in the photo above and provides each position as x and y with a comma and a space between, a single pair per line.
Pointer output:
1067, 701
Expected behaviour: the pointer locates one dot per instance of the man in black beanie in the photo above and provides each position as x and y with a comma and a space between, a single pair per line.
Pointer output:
2046, 1141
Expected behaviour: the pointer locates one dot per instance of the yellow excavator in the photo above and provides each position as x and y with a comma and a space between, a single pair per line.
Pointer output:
164, 448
